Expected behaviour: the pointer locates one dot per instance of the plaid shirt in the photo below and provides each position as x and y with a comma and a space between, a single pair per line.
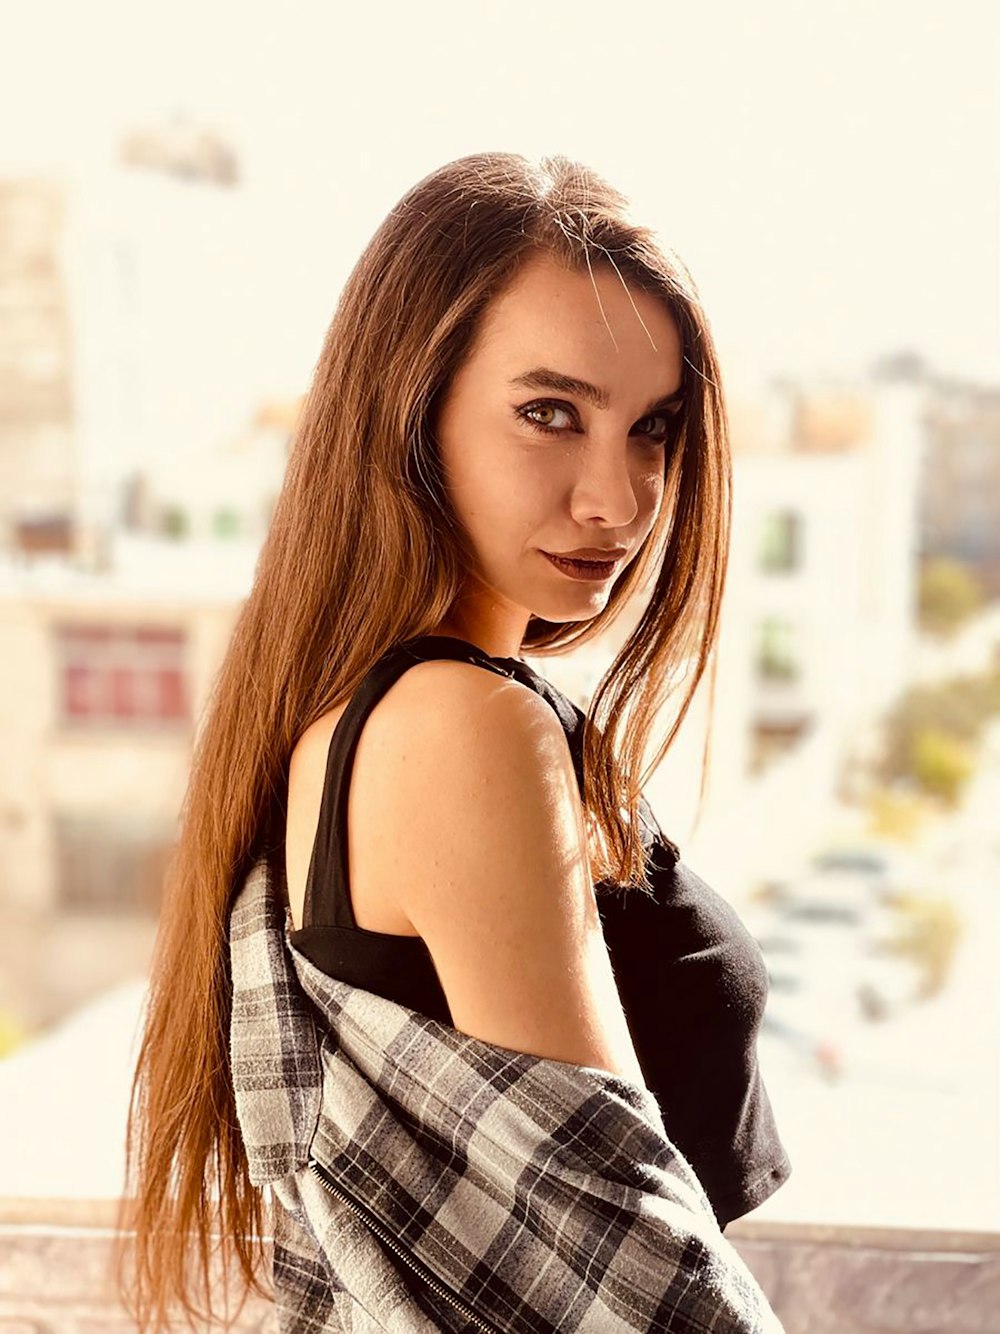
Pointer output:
426, 1180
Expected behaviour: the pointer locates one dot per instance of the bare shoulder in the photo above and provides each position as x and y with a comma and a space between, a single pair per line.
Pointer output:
465, 827
474, 774
477, 753
439, 696
480, 715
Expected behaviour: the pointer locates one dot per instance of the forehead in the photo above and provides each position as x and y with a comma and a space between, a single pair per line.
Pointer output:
585, 322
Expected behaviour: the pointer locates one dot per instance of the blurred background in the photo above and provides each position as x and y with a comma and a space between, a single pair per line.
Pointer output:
184, 189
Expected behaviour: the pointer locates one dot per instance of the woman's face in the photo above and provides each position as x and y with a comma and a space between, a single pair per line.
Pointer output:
593, 479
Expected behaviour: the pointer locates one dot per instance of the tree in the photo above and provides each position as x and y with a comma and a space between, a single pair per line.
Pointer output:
941, 764
956, 710
948, 594
929, 933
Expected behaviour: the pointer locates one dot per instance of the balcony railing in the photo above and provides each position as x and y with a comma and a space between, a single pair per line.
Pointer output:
55, 1260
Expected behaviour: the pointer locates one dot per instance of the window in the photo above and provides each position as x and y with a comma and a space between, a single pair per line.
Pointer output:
43, 533
110, 863
121, 675
781, 542
777, 658
175, 521
226, 523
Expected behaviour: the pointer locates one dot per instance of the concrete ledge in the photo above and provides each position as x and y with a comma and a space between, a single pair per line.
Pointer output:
837, 1280
55, 1276
56, 1273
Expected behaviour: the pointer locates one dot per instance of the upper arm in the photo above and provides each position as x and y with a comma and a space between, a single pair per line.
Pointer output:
475, 780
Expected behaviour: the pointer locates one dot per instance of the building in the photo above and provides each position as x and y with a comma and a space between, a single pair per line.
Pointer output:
38, 460
818, 629
960, 501
104, 676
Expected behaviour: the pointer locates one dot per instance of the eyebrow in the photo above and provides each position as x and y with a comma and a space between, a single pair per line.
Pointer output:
543, 377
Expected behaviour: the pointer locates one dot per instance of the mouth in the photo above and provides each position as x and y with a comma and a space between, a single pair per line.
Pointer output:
595, 570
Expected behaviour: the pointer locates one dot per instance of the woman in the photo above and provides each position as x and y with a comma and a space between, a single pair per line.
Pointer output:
515, 426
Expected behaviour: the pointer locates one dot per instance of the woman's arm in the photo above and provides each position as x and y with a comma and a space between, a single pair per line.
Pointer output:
472, 775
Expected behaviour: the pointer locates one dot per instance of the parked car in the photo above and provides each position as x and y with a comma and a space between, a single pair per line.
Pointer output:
825, 947
875, 867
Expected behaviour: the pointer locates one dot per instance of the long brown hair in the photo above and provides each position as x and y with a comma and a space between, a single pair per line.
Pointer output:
364, 551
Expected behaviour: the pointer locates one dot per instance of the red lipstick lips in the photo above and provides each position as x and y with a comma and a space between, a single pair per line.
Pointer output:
594, 566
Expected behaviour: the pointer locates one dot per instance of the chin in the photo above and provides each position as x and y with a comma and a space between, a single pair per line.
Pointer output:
582, 608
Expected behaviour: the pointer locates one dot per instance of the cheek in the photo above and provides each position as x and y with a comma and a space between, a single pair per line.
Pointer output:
649, 495
467, 483
517, 492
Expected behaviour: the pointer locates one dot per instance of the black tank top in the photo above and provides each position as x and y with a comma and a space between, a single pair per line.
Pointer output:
692, 980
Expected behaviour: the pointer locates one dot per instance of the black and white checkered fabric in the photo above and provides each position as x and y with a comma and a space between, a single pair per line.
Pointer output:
488, 1189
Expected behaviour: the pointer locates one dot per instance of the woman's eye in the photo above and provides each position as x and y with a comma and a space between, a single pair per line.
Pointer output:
646, 426
544, 416
551, 408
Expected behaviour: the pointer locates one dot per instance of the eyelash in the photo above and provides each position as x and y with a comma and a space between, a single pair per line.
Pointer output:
522, 412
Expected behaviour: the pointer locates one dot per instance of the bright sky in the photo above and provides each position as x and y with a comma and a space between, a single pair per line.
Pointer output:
831, 174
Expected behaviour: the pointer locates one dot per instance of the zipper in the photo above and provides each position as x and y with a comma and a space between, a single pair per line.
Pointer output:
392, 1244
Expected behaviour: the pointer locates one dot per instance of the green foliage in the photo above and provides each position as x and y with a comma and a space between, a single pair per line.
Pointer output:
930, 736
929, 933
948, 594
899, 816
941, 764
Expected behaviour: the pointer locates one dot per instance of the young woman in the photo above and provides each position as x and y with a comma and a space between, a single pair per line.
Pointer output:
515, 426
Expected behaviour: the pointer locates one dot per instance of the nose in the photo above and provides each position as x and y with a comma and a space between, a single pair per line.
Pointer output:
604, 489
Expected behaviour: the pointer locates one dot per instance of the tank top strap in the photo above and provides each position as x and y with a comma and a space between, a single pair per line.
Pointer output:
327, 896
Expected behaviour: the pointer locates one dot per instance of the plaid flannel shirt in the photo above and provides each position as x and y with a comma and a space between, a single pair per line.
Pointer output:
423, 1179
